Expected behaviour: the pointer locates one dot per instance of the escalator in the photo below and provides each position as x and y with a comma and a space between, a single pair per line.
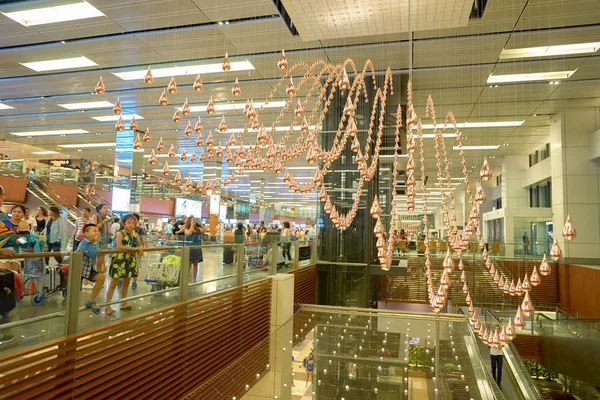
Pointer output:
47, 195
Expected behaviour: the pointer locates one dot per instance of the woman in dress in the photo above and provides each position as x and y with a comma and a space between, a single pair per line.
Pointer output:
17, 224
193, 236
40, 219
55, 230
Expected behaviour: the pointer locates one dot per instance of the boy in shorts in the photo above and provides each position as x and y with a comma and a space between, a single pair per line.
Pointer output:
88, 268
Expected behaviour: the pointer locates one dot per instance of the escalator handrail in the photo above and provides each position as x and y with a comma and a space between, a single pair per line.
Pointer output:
71, 210
518, 370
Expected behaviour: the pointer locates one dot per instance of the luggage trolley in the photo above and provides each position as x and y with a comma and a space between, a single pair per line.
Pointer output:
164, 268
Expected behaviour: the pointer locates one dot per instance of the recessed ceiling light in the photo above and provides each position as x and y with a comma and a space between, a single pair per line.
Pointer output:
492, 147
51, 133
87, 145
87, 105
5, 106
109, 118
535, 76
45, 152
238, 106
185, 70
496, 124
51, 15
63, 63
548, 51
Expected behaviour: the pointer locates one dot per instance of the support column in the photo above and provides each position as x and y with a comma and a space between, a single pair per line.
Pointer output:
575, 180
514, 195
125, 157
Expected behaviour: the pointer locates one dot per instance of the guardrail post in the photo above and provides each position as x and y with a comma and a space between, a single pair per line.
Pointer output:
184, 274
240, 264
73, 292
273, 266
296, 254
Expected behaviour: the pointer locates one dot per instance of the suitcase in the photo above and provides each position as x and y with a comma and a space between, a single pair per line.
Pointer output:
7, 291
227, 255
52, 279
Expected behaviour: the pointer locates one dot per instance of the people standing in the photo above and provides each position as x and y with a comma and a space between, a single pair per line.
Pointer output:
179, 228
78, 234
30, 220
497, 358
88, 272
309, 364
123, 265
143, 237
40, 219
525, 244
286, 245
239, 239
55, 230
169, 229
114, 228
193, 233
102, 220
18, 225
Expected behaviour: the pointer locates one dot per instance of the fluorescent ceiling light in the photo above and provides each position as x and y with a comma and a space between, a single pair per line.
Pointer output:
495, 124
87, 145
238, 106
186, 70
87, 106
493, 147
50, 133
547, 51
63, 63
5, 106
51, 15
111, 118
536, 76
45, 152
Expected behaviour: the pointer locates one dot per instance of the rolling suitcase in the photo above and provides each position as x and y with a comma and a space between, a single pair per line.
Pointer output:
227, 255
7, 291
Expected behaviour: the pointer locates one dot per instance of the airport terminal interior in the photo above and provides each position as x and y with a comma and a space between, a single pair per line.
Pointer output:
300, 199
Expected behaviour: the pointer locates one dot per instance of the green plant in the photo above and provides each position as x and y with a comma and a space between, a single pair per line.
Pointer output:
419, 357
538, 371
449, 367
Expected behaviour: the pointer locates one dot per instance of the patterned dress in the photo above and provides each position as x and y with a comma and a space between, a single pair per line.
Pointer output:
124, 265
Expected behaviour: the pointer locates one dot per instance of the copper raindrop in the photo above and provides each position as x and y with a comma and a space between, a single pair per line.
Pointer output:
166, 169
163, 101
99, 89
152, 160
282, 63
147, 138
226, 64
137, 143
236, 90
120, 125
568, 231
133, 125
198, 127
198, 85
486, 172
171, 152
188, 129
185, 110
177, 116
210, 107
117, 109
161, 146
172, 86
148, 78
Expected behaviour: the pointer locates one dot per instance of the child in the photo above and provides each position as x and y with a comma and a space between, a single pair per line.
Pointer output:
123, 265
88, 270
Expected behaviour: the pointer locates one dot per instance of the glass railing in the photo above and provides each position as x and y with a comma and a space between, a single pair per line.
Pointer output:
520, 375
54, 301
568, 327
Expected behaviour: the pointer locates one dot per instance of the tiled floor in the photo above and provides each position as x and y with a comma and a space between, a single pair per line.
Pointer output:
36, 331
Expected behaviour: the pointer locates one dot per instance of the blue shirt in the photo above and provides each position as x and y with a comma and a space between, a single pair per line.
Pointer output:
89, 250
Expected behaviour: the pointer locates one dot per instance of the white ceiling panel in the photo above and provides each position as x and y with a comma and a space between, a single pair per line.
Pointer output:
451, 78
463, 51
266, 65
459, 96
225, 10
382, 56
541, 14
516, 92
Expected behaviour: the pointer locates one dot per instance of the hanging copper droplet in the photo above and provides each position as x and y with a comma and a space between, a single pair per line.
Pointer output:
177, 178
137, 143
171, 152
99, 89
185, 110
120, 125
161, 146
147, 138
210, 107
198, 85
535, 278
202, 156
193, 158
299, 110
345, 81
222, 125
133, 125
183, 155
152, 160
349, 106
486, 172
568, 231
163, 100
220, 151
148, 78
544, 267
555, 251
526, 306
166, 169
177, 116
518, 320
282, 63
199, 140
209, 139
198, 127
226, 64
188, 129
291, 89
117, 109
236, 90
172, 86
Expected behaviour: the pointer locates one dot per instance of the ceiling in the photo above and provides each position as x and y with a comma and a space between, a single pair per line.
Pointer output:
452, 64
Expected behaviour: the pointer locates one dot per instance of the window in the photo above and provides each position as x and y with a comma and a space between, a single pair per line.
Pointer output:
539, 155
540, 195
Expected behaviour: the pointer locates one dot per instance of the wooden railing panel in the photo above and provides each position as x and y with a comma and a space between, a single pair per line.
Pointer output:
165, 353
